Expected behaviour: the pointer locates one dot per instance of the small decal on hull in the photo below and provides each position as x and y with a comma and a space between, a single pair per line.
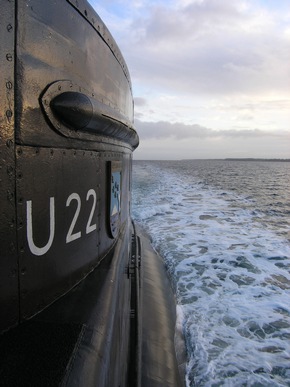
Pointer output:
115, 196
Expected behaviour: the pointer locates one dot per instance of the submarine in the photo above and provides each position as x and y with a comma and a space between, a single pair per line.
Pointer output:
84, 298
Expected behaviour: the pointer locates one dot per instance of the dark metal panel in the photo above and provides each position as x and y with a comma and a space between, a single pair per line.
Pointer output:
103, 354
50, 50
58, 194
80, 340
90, 15
8, 247
37, 354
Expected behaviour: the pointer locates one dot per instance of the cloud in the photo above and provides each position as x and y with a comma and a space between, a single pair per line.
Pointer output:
219, 68
208, 47
164, 129
180, 131
254, 145
138, 101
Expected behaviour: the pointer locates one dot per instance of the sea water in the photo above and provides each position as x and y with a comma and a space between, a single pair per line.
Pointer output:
223, 230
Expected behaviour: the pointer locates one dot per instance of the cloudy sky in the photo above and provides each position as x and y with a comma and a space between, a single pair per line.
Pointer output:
211, 78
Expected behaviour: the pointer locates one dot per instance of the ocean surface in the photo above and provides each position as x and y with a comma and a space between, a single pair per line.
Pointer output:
223, 230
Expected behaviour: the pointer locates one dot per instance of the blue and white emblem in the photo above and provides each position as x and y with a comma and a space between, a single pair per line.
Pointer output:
115, 199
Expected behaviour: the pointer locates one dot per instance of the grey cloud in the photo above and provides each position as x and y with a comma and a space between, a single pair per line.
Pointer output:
264, 147
138, 101
208, 47
165, 24
164, 129
280, 105
179, 131
246, 117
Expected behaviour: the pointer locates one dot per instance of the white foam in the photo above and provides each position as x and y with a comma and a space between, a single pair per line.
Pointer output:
231, 278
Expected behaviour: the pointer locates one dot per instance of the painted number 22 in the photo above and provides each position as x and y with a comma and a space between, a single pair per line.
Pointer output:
72, 233
90, 227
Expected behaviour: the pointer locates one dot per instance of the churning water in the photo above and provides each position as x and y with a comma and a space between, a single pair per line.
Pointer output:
222, 228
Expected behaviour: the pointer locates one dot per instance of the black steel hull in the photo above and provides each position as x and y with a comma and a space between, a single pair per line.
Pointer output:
101, 334
56, 177
70, 266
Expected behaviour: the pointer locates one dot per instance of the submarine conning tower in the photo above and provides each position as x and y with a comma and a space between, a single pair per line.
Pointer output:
71, 277
66, 145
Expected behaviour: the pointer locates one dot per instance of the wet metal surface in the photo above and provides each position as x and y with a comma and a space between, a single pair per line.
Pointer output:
159, 365
8, 238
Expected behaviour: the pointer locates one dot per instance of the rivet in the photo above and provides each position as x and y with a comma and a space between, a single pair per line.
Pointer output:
9, 195
9, 27
9, 85
9, 143
9, 57
9, 170
8, 114
12, 247
23, 271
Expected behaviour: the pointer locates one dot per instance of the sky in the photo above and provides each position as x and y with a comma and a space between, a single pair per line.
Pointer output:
211, 78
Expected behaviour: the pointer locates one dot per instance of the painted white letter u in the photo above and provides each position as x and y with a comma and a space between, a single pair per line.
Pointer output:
34, 249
